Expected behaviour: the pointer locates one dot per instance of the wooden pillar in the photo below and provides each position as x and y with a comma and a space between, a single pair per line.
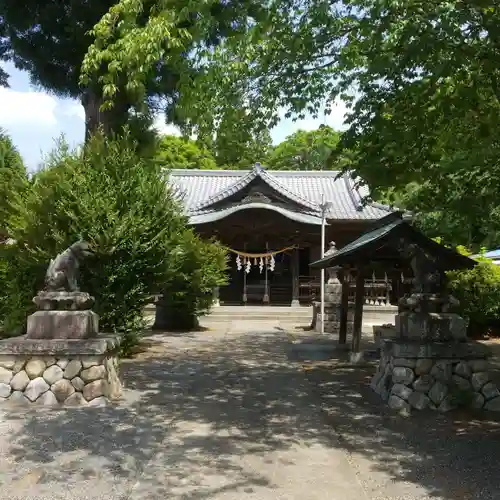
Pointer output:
344, 308
245, 297
295, 277
266, 276
397, 288
358, 315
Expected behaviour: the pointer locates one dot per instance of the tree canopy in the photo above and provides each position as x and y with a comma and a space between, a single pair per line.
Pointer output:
13, 179
304, 150
180, 152
421, 79
50, 39
236, 145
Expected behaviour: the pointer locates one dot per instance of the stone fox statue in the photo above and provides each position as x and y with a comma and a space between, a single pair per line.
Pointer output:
62, 272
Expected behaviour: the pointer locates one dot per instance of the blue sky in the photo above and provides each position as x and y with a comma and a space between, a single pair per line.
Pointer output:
35, 119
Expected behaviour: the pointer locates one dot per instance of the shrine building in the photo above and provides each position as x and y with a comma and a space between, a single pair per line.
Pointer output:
270, 224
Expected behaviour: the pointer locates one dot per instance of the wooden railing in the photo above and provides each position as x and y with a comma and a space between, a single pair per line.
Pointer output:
377, 291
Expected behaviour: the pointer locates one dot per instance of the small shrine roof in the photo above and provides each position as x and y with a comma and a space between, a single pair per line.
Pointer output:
386, 234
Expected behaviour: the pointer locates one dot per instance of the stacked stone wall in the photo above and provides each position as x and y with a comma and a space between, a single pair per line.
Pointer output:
56, 380
420, 382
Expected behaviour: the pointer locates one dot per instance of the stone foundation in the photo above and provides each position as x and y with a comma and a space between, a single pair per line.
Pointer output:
383, 332
59, 372
438, 376
332, 317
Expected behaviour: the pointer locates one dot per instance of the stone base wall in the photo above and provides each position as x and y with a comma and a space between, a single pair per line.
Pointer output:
333, 325
381, 333
332, 318
419, 376
56, 379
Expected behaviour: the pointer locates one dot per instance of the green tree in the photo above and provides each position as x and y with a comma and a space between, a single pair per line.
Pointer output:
50, 39
13, 181
117, 200
420, 78
180, 152
236, 146
304, 150
478, 291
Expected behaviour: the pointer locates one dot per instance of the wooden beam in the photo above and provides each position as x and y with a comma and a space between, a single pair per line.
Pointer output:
295, 277
358, 310
344, 308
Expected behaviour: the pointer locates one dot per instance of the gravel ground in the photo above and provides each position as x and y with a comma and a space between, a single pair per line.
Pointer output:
224, 415
213, 415
454, 456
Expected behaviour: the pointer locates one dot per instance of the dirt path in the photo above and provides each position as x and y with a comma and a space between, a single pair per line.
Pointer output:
215, 415
224, 415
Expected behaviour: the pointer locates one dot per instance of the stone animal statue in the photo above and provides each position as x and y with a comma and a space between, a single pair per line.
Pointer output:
425, 270
332, 248
62, 272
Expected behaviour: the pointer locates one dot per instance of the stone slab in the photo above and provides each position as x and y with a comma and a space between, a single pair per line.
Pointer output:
434, 350
62, 325
59, 347
51, 301
431, 325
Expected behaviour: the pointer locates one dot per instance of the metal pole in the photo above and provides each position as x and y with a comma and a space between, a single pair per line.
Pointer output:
322, 278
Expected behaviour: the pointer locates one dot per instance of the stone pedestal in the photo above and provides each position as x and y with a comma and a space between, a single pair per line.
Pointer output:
60, 372
63, 315
431, 326
383, 332
61, 360
430, 363
332, 317
333, 308
62, 325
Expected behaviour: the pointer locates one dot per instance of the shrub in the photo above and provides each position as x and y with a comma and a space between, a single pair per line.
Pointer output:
115, 198
13, 180
199, 269
478, 290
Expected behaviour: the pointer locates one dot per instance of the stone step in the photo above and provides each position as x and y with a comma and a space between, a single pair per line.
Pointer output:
303, 314
229, 313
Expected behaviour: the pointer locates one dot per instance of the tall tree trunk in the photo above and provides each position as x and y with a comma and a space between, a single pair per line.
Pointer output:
109, 121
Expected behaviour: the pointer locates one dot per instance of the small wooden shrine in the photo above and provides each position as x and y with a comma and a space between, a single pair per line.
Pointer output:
392, 246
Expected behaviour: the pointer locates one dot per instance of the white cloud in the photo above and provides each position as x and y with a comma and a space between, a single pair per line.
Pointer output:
35, 119
165, 128
19, 108
73, 109
288, 126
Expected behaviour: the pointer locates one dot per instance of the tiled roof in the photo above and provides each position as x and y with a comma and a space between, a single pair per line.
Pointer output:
244, 180
201, 188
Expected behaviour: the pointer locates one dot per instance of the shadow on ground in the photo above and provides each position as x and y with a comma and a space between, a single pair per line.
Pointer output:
199, 409
454, 456
194, 407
